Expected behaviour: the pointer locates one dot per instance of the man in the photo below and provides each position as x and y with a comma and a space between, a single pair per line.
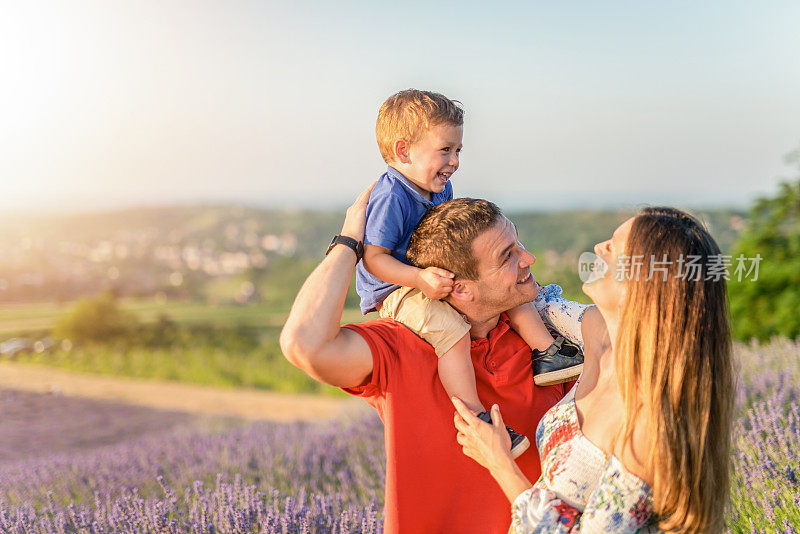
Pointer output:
430, 485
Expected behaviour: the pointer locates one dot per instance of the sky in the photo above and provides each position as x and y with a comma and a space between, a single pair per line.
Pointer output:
568, 104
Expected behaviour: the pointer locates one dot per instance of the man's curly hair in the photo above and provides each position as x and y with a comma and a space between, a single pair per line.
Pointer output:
444, 236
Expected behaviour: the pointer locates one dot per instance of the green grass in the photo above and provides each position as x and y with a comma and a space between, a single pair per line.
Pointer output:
225, 346
18, 319
262, 367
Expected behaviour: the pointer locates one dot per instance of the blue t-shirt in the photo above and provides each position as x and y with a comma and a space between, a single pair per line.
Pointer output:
393, 212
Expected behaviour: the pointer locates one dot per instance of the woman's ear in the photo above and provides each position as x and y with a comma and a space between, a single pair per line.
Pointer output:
401, 151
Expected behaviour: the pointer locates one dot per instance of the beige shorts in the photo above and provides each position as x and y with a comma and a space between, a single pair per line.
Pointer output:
433, 320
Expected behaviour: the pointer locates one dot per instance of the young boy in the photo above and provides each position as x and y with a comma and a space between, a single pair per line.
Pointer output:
419, 135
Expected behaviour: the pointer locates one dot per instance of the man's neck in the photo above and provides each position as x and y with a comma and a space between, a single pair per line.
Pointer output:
481, 329
480, 325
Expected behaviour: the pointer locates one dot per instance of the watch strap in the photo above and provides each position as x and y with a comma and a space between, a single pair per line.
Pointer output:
356, 246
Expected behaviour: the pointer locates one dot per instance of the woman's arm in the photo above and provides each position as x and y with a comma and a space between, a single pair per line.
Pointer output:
619, 504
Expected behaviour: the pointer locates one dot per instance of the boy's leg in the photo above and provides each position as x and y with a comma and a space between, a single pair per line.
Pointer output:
529, 325
448, 333
444, 329
557, 361
458, 375
458, 378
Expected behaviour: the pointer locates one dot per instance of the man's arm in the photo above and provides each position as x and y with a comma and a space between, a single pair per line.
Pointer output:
312, 339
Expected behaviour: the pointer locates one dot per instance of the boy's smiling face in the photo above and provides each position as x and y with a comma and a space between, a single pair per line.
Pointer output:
431, 161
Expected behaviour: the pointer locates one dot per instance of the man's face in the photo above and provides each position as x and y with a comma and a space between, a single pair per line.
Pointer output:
504, 266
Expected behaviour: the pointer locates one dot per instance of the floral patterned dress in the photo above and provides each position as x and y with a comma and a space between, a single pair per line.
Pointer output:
582, 489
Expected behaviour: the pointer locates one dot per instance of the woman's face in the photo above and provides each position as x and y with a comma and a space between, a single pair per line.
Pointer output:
607, 289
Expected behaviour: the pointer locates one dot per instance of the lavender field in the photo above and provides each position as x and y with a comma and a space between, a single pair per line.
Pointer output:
329, 477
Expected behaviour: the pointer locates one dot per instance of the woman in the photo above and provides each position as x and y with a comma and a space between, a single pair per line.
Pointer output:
643, 438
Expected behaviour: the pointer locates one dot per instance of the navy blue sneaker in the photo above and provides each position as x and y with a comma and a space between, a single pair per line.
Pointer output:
519, 443
561, 362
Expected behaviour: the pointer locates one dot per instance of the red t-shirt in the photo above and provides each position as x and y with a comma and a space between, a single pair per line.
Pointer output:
431, 486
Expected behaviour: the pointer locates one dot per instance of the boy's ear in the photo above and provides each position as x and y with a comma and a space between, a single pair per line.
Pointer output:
401, 151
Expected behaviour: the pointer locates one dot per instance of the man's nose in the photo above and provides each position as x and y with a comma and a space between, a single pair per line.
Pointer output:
526, 258
453, 160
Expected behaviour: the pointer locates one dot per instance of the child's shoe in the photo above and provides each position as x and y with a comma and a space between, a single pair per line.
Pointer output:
519, 443
561, 362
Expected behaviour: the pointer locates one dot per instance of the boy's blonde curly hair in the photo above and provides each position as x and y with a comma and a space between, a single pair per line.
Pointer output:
409, 114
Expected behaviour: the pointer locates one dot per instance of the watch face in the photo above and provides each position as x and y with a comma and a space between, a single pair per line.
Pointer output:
330, 247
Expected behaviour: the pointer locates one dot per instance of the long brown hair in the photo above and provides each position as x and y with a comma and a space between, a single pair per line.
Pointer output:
674, 366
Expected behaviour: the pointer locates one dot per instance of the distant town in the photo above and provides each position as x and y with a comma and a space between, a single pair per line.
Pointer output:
181, 252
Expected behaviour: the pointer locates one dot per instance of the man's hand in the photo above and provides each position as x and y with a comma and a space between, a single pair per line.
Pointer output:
435, 283
355, 221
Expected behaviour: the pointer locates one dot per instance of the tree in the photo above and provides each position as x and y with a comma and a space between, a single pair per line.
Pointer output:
770, 304
97, 319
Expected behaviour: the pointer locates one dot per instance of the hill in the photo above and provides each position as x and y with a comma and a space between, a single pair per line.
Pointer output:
238, 254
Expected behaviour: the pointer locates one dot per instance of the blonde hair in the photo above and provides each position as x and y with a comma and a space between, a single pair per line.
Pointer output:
409, 114
674, 366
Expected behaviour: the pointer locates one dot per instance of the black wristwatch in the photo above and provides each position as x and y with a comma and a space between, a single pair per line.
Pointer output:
357, 246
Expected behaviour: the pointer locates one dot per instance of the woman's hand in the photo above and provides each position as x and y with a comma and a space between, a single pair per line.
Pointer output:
489, 445
355, 221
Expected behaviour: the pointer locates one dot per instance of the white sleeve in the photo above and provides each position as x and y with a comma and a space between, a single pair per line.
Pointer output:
619, 504
539, 511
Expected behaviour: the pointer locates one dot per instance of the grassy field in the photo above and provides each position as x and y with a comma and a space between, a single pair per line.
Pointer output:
183, 341
261, 367
19, 319
228, 346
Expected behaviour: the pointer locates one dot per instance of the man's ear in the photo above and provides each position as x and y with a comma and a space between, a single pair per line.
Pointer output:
401, 151
462, 291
